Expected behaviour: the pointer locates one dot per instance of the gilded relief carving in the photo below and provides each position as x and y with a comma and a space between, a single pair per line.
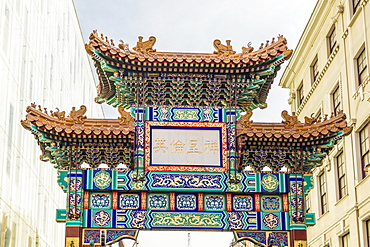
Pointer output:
78, 115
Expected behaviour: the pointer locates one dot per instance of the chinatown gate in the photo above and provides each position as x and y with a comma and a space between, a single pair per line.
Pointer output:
184, 153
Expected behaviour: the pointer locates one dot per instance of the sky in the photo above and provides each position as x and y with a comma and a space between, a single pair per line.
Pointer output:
192, 26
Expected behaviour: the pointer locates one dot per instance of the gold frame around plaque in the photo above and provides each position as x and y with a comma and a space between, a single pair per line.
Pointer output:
72, 242
300, 243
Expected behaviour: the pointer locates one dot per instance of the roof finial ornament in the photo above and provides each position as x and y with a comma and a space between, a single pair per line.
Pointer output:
290, 121
78, 115
248, 49
245, 120
123, 46
60, 115
310, 120
223, 50
145, 47
126, 118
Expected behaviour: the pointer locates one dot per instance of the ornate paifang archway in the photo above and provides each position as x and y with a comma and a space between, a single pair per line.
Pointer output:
175, 159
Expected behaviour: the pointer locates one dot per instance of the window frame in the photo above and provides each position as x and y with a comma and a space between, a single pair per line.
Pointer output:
314, 70
345, 240
308, 202
323, 193
364, 135
361, 65
300, 94
332, 40
341, 175
356, 4
336, 100
367, 225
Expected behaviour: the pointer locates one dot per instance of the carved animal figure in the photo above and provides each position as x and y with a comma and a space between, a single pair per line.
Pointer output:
245, 119
123, 46
247, 50
125, 118
223, 50
58, 114
310, 120
145, 47
290, 121
78, 116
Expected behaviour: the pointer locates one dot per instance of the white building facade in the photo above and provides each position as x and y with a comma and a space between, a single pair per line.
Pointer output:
42, 60
329, 72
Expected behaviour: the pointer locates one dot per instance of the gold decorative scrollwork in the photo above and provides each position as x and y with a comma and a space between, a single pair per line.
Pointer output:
187, 219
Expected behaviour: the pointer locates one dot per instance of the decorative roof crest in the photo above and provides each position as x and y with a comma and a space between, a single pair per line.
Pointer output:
290, 121
78, 115
223, 50
245, 121
145, 47
60, 115
126, 118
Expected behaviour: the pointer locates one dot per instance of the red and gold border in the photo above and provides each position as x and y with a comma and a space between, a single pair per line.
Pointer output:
184, 168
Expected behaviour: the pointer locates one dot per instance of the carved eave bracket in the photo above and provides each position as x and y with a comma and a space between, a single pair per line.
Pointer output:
292, 144
76, 123
108, 140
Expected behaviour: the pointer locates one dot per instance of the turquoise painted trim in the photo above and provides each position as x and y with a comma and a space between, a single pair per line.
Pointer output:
282, 182
258, 184
90, 181
74, 223
297, 226
114, 180
310, 219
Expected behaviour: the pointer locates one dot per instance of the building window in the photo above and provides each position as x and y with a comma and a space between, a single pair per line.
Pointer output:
308, 203
314, 70
368, 232
345, 240
323, 199
356, 5
332, 40
318, 116
364, 148
336, 100
300, 95
361, 66
342, 184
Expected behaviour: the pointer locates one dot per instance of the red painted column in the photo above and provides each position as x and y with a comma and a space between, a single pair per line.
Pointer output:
200, 201
74, 236
172, 201
298, 238
115, 200
143, 200
229, 203
257, 202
